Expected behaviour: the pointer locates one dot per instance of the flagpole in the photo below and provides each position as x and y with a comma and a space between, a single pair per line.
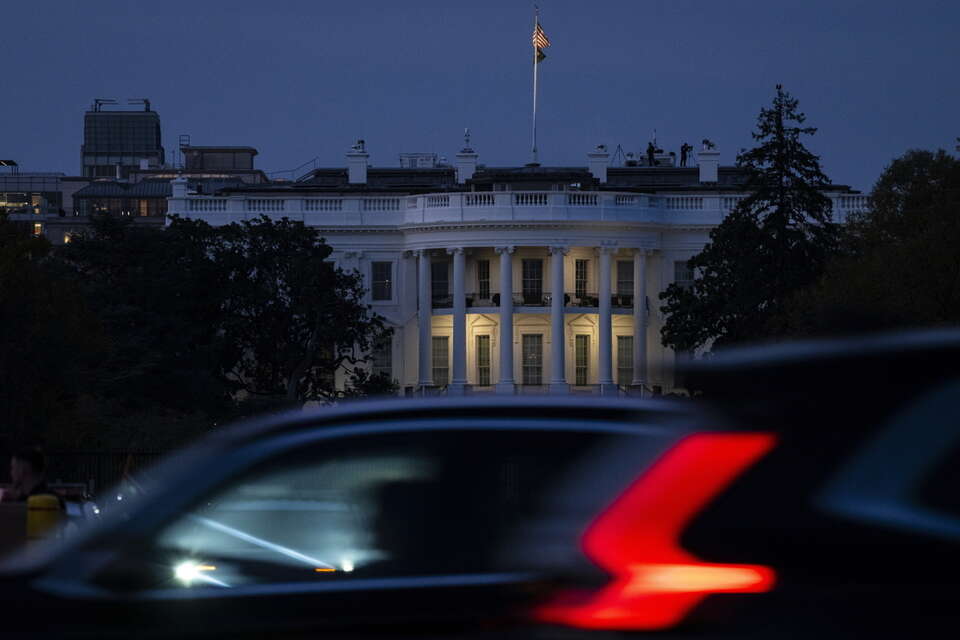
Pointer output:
536, 21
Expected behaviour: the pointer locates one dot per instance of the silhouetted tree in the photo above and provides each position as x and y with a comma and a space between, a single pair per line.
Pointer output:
292, 320
157, 296
49, 339
775, 241
900, 266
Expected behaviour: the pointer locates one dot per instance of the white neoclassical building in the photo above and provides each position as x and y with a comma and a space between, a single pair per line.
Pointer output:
510, 280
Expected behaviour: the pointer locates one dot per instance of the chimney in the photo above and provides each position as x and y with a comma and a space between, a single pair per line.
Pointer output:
357, 163
709, 162
598, 160
179, 187
466, 160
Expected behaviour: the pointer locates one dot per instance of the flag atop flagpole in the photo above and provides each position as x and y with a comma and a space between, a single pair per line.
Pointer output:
540, 41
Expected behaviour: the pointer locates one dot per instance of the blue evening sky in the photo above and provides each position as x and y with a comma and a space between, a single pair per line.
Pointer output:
304, 79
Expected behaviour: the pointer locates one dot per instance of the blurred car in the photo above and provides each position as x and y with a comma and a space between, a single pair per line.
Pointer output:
810, 490
379, 517
828, 504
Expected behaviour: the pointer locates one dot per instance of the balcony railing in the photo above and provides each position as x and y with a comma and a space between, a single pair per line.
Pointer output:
531, 299
586, 206
345, 210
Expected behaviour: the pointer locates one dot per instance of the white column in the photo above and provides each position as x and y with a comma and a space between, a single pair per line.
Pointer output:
558, 337
424, 318
639, 319
605, 376
459, 381
506, 384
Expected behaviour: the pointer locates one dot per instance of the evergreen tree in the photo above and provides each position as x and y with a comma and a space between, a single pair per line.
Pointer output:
775, 241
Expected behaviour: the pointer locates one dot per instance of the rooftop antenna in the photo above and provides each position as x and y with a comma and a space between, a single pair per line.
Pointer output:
618, 157
184, 141
99, 102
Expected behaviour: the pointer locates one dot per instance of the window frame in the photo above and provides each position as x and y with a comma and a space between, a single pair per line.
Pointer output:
581, 358
440, 366
483, 279
483, 360
581, 277
387, 283
531, 369
624, 372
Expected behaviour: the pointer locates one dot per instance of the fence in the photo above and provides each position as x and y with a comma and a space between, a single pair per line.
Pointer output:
98, 470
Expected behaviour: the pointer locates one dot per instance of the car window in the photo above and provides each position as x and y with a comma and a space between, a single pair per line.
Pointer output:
409, 504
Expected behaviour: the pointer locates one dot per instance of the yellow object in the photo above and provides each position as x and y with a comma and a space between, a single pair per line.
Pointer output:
43, 516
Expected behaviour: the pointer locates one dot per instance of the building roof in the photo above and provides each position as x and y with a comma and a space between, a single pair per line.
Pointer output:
149, 188
216, 149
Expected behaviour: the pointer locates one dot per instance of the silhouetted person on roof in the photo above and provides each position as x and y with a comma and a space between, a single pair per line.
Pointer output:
651, 152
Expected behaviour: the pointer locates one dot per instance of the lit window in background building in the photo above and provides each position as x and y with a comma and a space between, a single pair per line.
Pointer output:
37, 229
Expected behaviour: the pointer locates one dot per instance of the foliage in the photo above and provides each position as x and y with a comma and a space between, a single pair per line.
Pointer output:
156, 295
291, 319
900, 266
775, 242
48, 340
137, 337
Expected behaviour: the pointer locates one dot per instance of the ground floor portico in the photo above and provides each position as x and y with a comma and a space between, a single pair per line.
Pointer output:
543, 335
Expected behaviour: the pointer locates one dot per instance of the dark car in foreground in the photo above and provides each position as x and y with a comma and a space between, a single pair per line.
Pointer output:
830, 509
380, 517
811, 490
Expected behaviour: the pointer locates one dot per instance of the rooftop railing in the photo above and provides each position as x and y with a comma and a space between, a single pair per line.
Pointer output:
360, 210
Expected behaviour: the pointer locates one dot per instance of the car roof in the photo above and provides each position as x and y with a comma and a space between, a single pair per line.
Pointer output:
356, 412
797, 383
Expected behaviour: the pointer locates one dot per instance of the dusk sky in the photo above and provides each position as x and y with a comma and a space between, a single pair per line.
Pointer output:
299, 80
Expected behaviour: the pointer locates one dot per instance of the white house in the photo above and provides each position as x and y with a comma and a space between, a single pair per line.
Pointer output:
510, 280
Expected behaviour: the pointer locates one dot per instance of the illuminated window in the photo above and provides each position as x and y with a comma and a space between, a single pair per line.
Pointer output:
441, 361
37, 229
532, 356
581, 278
582, 360
483, 360
624, 360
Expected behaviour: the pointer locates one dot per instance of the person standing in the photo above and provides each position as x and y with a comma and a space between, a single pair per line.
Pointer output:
651, 152
27, 467
685, 150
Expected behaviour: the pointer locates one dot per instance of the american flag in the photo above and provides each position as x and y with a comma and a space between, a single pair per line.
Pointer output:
540, 39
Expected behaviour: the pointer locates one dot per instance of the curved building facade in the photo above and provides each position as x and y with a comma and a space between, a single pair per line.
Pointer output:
511, 280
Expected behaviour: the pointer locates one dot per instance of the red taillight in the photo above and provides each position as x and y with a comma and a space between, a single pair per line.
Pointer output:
656, 582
